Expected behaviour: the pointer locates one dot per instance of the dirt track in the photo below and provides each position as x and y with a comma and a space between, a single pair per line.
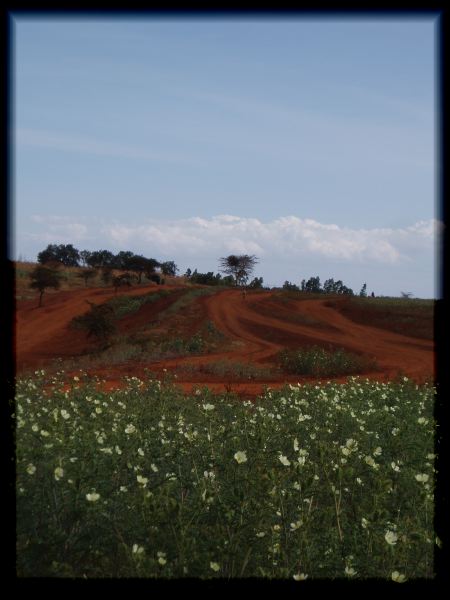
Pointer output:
42, 334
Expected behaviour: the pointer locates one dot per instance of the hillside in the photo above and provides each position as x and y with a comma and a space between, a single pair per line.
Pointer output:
204, 335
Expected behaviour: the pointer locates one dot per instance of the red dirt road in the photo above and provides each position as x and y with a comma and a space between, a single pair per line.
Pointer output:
43, 334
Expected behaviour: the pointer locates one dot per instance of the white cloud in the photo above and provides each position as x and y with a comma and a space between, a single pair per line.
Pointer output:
288, 248
283, 238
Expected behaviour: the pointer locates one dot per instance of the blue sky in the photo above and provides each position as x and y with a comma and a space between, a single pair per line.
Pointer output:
308, 142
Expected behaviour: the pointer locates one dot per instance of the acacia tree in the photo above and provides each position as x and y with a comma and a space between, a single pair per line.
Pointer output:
240, 267
43, 278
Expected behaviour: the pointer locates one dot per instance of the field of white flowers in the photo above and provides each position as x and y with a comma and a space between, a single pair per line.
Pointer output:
319, 481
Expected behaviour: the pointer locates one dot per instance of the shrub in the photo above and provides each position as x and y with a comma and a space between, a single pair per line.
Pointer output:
98, 322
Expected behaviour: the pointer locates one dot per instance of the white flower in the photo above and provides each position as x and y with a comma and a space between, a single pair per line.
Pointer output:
118, 450
162, 561
214, 566
208, 406
395, 431
138, 549
369, 460
76, 378
398, 577
422, 421
154, 468
391, 537
44, 433
59, 473
31, 469
296, 444
142, 480
240, 456
93, 497
35, 427
351, 444
260, 534
364, 523
395, 466
350, 571
296, 525
130, 428
98, 410
123, 488
140, 452
284, 460
65, 414
422, 477
377, 451
300, 577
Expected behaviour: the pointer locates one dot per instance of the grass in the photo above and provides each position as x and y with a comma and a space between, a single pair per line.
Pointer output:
407, 316
319, 362
126, 305
333, 481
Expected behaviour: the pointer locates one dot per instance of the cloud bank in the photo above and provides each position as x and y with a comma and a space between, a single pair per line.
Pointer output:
285, 237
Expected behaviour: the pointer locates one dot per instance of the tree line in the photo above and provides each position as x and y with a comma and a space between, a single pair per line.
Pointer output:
330, 286
69, 256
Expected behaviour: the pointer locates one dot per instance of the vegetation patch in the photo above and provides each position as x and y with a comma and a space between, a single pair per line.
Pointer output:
407, 316
126, 305
333, 481
320, 362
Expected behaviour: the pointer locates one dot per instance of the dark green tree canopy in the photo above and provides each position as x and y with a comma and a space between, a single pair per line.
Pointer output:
101, 258
169, 268
66, 254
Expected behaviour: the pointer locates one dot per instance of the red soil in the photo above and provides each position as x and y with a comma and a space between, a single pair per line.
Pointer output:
43, 334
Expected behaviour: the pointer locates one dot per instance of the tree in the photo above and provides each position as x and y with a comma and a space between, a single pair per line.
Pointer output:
43, 278
63, 253
287, 285
169, 268
256, 283
123, 259
84, 257
407, 294
151, 265
363, 292
87, 274
239, 267
312, 285
101, 258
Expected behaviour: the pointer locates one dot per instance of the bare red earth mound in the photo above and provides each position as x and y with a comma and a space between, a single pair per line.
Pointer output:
256, 329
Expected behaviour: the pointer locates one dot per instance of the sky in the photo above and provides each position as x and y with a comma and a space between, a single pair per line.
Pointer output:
308, 142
